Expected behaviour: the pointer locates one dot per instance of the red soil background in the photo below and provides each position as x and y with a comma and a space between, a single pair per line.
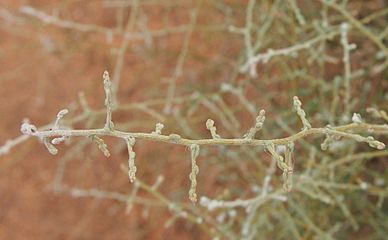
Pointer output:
44, 67
42, 70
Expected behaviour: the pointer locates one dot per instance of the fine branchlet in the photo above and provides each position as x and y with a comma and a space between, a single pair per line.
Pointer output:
288, 51
301, 113
258, 125
347, 67
287, 175
10, 144
53, 150
108, 101
371, 141
279, 159
131, 198
329, 139
284, 164
101, 145
378, 113
56, 126
298, 14
131, 159
213, 130
194, 149
158, 129
60, 115
334, 135
84, 103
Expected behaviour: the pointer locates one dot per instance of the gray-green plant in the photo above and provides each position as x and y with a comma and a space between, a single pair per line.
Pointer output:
327, 192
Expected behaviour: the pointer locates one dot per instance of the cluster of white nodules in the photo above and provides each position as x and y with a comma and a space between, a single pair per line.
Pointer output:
301, 113
374, 143
158, 129
28, 129
194, 149
131, 159
286, 165
356, 118
258, 125
213, 130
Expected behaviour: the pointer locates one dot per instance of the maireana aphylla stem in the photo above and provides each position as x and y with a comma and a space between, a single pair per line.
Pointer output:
218, 141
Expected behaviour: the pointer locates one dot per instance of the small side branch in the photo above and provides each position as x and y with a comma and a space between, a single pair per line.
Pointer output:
194, 149
301, 113
101, 145
279, 159
285, 164
53, 150
60, 115
370, 140
158, 129
258, 125
213, 130
378, 113
131, 159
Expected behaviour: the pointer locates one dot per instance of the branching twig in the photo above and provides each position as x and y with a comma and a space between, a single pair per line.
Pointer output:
218, 141
285, 165
258, 125
265, 57
301, 113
